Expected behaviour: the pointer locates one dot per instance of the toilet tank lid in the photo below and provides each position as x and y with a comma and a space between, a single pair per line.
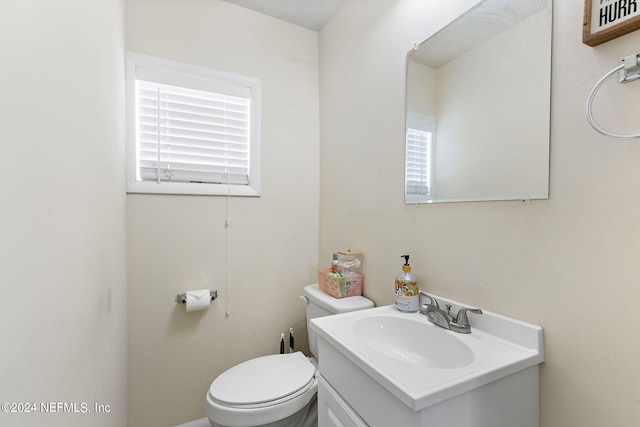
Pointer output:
336, 305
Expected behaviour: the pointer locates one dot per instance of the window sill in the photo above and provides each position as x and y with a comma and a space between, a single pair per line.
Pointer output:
199, 189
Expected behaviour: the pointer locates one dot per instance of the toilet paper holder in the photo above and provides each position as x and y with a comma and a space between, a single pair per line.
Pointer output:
182, 298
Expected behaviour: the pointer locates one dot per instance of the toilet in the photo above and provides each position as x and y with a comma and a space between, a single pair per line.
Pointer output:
278, 390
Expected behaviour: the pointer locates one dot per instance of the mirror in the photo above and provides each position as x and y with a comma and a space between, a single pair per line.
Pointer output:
478, 106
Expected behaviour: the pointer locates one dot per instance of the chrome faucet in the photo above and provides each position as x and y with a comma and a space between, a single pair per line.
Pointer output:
461, 324
436, 315
444, 319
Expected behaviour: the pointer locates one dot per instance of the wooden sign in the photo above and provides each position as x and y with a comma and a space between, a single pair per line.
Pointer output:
605, 20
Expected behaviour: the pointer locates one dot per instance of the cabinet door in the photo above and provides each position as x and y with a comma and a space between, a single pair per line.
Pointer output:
333, 411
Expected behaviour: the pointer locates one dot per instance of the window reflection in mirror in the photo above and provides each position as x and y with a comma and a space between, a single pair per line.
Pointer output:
421, 130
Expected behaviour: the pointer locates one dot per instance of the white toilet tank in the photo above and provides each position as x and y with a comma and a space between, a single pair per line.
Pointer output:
320, 304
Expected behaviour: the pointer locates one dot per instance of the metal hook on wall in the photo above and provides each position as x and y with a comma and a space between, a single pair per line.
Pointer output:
628, 70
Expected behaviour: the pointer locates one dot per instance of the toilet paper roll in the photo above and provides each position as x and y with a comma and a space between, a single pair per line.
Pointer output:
198, 300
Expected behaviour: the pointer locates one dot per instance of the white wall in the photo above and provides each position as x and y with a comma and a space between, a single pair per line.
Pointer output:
62, 220
177, 243
569, 263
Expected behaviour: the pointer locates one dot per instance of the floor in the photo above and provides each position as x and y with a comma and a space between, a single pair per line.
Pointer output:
203, 422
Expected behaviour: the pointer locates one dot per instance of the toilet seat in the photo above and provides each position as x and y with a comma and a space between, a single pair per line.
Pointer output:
266, 388
263, 381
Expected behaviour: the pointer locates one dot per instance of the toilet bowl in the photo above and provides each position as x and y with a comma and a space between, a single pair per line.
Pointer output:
277, 390
274, 391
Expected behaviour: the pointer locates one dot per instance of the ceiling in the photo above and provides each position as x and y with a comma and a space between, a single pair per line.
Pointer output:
310, 14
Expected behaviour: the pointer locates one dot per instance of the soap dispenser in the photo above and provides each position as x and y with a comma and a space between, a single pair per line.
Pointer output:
407, 290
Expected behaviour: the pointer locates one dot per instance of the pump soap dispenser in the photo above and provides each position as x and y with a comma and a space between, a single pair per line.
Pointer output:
407, 289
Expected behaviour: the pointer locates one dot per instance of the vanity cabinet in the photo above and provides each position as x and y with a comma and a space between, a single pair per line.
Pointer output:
384, 368
349, 397
333, 411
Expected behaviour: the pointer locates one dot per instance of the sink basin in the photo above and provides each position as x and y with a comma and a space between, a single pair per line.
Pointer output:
419, 363
412, 341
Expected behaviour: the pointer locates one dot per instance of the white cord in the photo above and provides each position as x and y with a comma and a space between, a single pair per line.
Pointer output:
227, 222
590, 118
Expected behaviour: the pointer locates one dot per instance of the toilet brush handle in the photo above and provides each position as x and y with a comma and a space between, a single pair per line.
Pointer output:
281, 343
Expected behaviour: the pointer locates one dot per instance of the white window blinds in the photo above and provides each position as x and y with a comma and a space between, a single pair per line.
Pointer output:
191, 130
187, 135
418, 158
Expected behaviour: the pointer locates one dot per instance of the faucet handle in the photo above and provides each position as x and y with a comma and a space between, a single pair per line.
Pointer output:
432, 299
461, 324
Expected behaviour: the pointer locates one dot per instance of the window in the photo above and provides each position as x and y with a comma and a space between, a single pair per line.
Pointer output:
418, 159
191, 130
418, 142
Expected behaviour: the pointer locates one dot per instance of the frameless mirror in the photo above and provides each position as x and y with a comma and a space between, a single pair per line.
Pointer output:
478, 106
